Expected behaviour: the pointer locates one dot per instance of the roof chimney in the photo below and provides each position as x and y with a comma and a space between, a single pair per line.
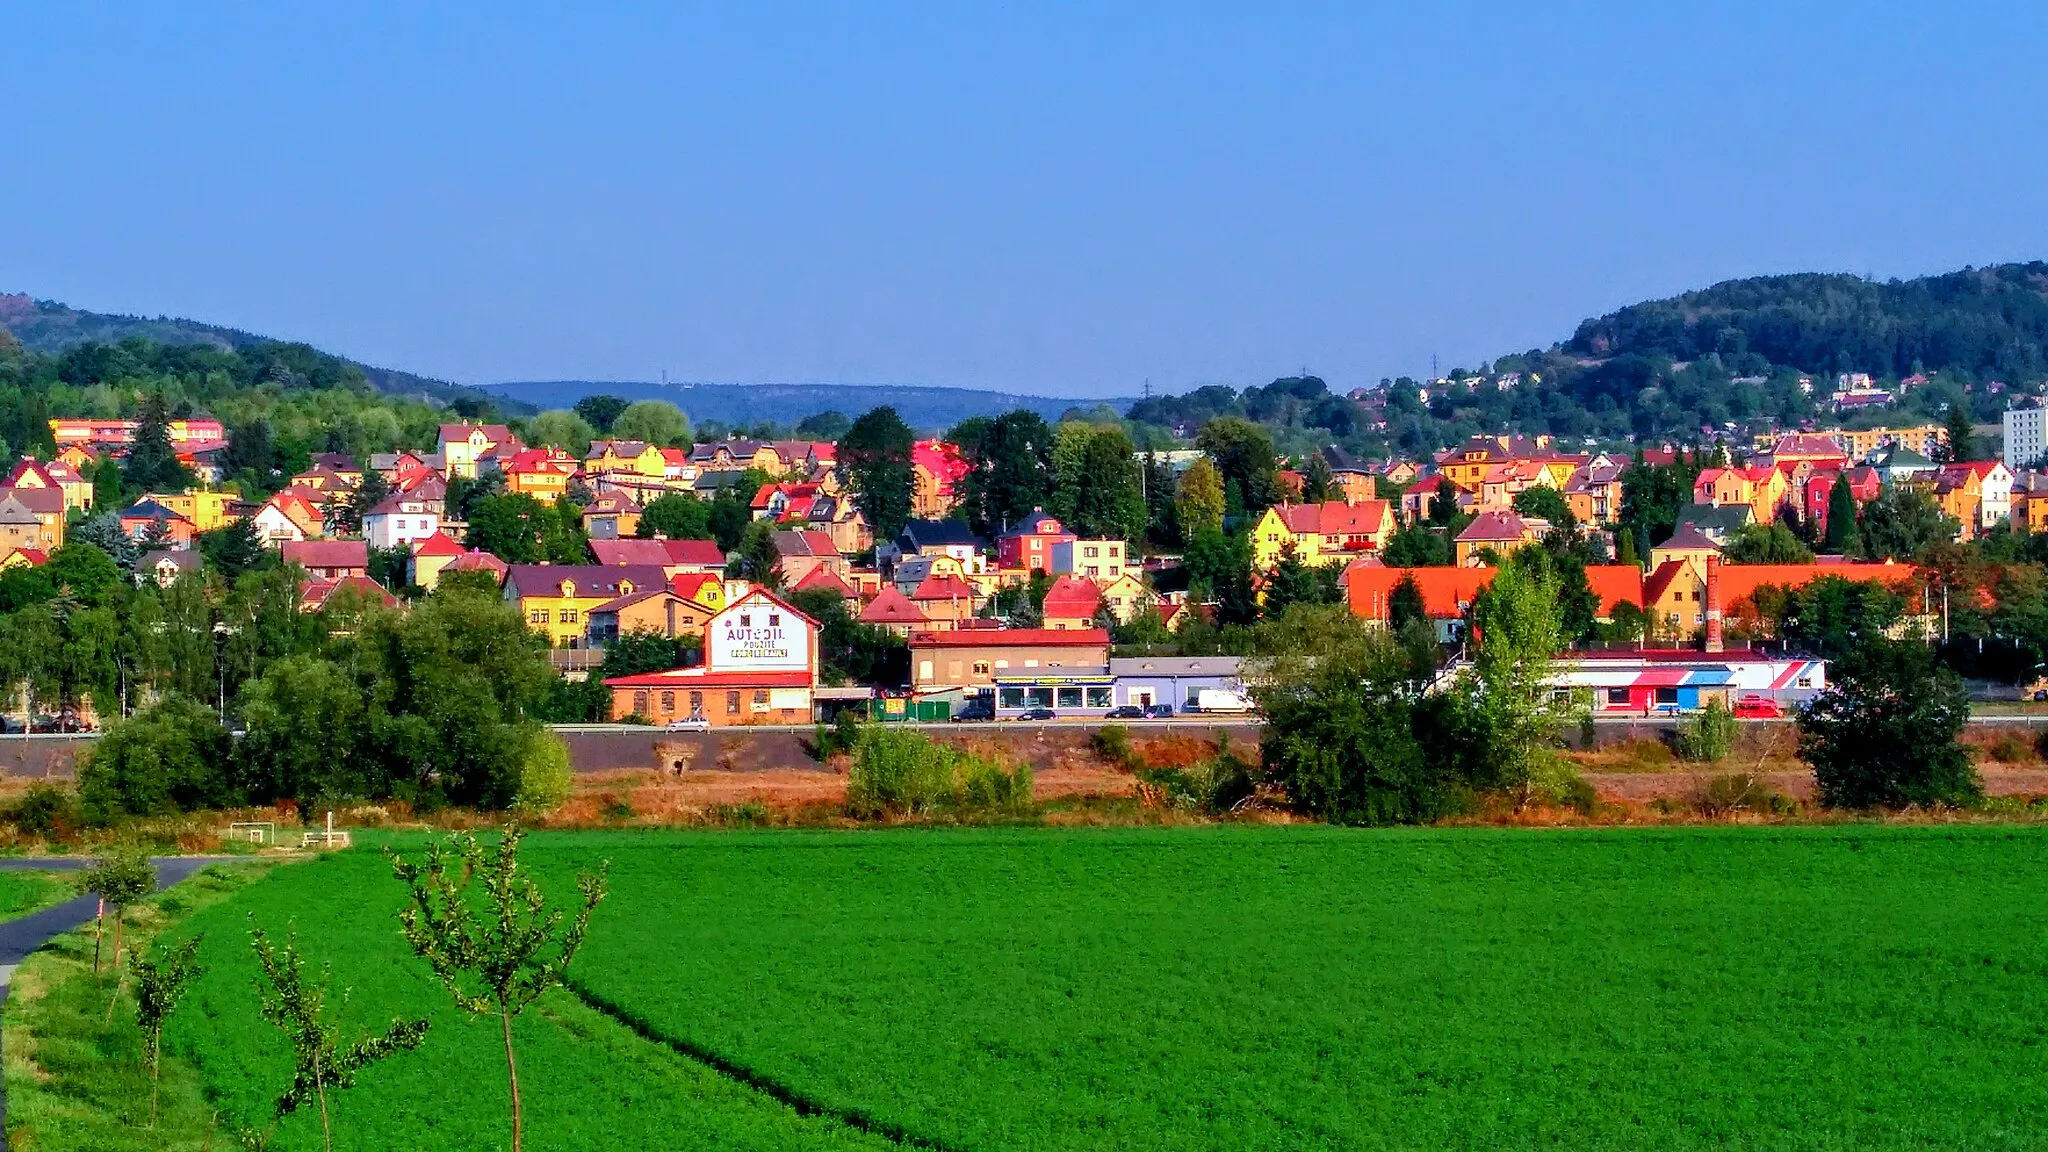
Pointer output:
1714, 604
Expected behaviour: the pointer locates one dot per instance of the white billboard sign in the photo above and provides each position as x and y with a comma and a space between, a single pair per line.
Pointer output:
758, 635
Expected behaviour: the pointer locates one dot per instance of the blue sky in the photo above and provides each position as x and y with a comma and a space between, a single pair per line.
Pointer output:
1057, 198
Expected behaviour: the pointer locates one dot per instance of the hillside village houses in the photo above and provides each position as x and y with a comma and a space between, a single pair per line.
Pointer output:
936, 584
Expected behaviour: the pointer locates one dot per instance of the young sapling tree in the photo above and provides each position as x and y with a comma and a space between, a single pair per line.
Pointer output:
119, 880
499, 953
160, 980
298, 1007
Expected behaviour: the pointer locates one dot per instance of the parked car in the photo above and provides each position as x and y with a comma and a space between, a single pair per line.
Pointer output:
979, 708
1127, 712
1755, 707
1038, 714
691, 723
1160, 712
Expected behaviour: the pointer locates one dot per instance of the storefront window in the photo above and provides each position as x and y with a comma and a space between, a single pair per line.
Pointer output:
1038, 697
1098, 697
1011, 697
1070, 698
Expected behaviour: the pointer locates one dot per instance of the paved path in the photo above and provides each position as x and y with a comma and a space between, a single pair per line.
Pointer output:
20, 937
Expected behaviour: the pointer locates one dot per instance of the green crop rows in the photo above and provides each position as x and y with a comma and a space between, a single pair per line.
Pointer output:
1854, 987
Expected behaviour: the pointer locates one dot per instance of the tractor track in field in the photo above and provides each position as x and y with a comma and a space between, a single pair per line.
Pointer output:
768, 1086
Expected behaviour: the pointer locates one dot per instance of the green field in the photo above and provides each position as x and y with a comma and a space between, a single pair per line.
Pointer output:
24, 892
1846, 987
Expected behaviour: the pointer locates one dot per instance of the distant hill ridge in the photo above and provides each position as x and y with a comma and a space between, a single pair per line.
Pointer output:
926, 407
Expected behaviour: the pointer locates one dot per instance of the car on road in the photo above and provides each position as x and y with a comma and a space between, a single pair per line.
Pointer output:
979, 708
1755, 707
1127, 712
689, 724
1160, 711
1038, 714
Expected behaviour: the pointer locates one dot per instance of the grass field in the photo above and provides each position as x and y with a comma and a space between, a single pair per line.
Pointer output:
24, 892
1841, 987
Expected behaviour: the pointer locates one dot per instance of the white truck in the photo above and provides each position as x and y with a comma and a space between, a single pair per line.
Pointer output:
1221, 700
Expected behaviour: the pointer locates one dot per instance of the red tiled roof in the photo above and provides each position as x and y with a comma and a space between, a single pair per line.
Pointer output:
1446, 592
823, 577
1013, 637
620, 553
326, 553
439, 544
1072, 598
1492, 526
688, 584
892, 607
946, 587
705, 553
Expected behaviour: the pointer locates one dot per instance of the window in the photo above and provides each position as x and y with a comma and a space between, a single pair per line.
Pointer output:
1098, 697
696, 703
571, 615
952, 669
760, 699
732, 703
540, 616
1011, 697
640, 703
1617, 695
1038, 697
746, 620
1002, 664
1031, 663
668, 701
775, 619
1667, 695
1069, 698
1091, 551
981, 667
1194, 694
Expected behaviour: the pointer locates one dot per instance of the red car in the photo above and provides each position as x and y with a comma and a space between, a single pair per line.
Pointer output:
1758, 708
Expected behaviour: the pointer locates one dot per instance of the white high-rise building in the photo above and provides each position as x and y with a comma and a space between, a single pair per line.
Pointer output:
2026, 437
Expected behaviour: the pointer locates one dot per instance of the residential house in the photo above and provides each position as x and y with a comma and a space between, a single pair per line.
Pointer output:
823, 578
940, 538
206, 510
1763, 488
328, 559
149, 520
1900, 465
315, 594
784, 501
1864, 485
1497, 532
1096, 559
1927, 439
65, 431
1352, 477
1688, 543
1593, 493
695, 556
1448, 593
637, 457
1676, 595
1421, 496
945, 598
975, 658
399, 519
611, 517
804, 552
164, 565
2029, 503
1326, 533
22, 558
429, 557
463, 445
760, 667
288, 515
34, 518
1988, 481
656, 610
935, 467
1028, 545
1071, 602
893, 611
32, 473
556, 599
1717, 522
542, 473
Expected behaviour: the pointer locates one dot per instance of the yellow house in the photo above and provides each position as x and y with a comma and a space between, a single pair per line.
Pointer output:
65, 478
556, 599
462, 445
1326, 533
1126, 596
31, 518
541, 473
1498, 532
206, 510
635, 456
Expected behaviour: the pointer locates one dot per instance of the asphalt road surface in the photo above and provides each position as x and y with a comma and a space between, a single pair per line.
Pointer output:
20, 937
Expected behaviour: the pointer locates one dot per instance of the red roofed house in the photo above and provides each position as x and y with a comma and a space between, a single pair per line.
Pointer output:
830, 581
892, 610
945, 598
462, 445
695, 556
1675, 593
1329, 532
328, 559
1864, 485
317, 594
612, 516
429, 557
1447, 593
288, 515
618, 553
34, 518
1071, 602
806, 551
760, 667
975, 657
1029, 544
935, 466
1416, 501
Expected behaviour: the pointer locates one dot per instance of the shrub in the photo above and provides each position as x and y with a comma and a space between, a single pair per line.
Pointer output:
1707, 737
897, 772
1734, 792
546, 777
2010, 749
1112, 743
171, 757
748, 814
1216, 784
841, 736
44, 810
616, 808
985, 786
1580, 797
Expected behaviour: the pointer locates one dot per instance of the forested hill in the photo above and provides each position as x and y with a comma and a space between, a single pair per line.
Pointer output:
52, 328
927, 408
1980, 320
1742, 356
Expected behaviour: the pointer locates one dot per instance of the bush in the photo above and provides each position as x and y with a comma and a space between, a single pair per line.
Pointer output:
897, 772
986, 787
1112, 743
44, 810
171, 757
1708, 737
1734, 792
546, 777
1885, 732
1215, 785
2010, 749
841, 736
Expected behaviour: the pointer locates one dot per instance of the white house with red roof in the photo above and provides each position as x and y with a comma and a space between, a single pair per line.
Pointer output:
760, 667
